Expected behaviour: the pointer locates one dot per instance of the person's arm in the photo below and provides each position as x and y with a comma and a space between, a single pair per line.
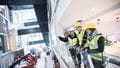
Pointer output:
84, 39
63, 39
100, 46
77, 44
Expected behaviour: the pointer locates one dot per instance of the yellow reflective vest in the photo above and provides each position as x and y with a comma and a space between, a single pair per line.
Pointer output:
94, 45
72, 42
80, 36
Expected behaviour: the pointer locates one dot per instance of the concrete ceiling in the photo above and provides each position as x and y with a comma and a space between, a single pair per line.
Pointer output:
109, 24
87, 10
19, 7
112, 16
21, 2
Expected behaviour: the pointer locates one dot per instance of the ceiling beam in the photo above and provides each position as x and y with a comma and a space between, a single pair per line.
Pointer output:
22, 2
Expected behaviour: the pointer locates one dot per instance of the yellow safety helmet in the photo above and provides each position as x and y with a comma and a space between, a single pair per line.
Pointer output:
90, 25
78, 23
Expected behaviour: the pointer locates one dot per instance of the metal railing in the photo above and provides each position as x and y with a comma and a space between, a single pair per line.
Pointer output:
6, 59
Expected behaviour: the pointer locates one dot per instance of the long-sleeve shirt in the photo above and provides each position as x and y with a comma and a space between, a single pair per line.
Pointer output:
100, 46
66, 39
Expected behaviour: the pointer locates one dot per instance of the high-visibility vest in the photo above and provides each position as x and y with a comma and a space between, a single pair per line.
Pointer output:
80, 36
72, 42
94, 45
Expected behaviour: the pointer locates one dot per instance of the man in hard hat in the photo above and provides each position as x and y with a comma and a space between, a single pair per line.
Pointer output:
80, 33
72, 41
95, 41
81, 37
78, 26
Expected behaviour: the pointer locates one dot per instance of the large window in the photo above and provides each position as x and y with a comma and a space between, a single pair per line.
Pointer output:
25, 19
31, 39
4, 20
23, 16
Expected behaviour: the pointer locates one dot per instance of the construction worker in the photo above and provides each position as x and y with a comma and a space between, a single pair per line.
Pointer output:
95, 41
71, 38
78, 26
72, 42
80, 36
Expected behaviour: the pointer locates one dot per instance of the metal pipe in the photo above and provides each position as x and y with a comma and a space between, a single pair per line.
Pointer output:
4, 17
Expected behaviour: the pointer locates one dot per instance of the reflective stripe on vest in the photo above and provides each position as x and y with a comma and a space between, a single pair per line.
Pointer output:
80, 36
72, 42
93, 45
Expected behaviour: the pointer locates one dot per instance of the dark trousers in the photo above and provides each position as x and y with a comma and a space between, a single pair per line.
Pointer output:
97, 64
79, 58
75, 55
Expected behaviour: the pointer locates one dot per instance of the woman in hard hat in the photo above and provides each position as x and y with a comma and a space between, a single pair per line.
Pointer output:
66, 33
72, 41
71, 38
95, 41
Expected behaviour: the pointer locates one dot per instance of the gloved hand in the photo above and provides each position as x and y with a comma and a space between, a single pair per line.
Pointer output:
81, 48
59, 37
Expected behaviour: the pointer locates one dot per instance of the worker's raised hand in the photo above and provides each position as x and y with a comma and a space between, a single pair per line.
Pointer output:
81, 48
59, 37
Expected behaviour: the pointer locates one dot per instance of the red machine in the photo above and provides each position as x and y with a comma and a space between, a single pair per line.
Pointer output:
31, 61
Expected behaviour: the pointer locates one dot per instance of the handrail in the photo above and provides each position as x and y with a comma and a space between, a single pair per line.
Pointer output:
4, 17
6, 59
65, 62
57, 55
18, 61
112, 60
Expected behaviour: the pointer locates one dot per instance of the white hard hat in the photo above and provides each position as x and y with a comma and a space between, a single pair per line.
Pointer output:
71, 28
